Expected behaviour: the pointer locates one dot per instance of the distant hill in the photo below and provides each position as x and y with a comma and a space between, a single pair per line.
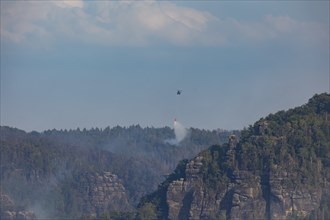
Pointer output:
279, 169
84, 173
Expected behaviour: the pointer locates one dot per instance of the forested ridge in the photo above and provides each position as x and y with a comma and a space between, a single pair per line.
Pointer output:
279, 169
44, 170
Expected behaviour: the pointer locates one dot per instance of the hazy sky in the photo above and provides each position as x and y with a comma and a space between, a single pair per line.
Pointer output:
69, 64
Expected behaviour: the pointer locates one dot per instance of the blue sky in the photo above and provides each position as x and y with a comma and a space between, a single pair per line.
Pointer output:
69, 64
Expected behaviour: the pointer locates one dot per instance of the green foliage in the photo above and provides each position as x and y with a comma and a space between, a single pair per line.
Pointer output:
297, 138
217, 168
147, 212
323, 212
220, 216
296, 141
116, 216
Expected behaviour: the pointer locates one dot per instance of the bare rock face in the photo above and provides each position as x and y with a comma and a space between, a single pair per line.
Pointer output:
287, 199
191, 198
102, 192
10, 212
246, 195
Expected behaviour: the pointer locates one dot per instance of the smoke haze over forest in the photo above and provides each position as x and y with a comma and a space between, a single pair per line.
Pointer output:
89, 91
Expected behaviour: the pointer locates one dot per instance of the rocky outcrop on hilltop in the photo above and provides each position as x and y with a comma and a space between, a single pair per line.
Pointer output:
279, 169
246, 195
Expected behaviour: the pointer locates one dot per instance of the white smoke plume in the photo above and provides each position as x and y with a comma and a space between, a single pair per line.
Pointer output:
180, 133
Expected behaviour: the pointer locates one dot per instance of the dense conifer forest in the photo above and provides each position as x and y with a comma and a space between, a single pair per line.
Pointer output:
44, 171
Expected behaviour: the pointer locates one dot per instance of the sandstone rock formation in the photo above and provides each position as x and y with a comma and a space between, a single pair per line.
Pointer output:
246, 195
102, 192
10, 212
278, 169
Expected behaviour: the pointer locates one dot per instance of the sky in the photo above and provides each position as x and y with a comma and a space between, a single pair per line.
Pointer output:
70, 64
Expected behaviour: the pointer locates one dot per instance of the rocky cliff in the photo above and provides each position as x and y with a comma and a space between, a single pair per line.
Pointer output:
279, 169
86, 194
101, 193
9, 211
245, 195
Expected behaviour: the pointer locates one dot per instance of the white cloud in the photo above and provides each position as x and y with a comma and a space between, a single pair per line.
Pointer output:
281, 23
69, 3
193, 19
144, 22
20, 19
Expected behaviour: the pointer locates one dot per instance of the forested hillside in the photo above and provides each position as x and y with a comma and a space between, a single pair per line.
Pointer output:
75, 173
279, 169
